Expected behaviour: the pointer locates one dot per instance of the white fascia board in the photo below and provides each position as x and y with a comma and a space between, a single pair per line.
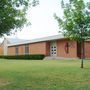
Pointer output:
50, 38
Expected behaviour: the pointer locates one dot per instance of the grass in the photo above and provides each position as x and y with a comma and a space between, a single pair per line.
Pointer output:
44, 75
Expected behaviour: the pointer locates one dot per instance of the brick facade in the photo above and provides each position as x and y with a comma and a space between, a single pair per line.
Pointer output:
87, 49
11, 50
39, 48
61, 48
1, 49
34, 48
65, 48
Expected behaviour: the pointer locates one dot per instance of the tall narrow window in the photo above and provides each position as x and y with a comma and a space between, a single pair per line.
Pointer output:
27, 49
16, 50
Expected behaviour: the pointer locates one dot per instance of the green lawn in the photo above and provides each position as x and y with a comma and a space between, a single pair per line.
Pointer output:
44, 75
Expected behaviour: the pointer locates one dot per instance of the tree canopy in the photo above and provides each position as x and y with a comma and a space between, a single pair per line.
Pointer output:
13, 14
75, 23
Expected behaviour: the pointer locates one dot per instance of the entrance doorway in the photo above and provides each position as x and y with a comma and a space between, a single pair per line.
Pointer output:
53, 48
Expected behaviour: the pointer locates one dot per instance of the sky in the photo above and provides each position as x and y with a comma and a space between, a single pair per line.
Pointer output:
42, 20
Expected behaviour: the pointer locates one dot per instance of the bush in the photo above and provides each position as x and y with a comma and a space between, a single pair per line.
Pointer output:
1, 56
29, 57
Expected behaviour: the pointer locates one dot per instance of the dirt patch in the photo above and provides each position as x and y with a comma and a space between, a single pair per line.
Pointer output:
4, 82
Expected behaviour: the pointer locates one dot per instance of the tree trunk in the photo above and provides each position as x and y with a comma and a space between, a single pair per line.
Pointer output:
82, 53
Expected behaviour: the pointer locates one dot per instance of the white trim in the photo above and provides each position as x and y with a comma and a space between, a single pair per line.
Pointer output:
53, 48
5, 42
50, 38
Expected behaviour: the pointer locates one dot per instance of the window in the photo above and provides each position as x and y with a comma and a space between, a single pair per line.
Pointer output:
54, 52
27, 49
54, 47
16, 50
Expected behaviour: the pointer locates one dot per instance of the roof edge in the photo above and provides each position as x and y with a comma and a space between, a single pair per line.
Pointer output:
49, 38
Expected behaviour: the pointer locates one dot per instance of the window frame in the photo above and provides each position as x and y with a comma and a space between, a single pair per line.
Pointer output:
16, 50
26, 49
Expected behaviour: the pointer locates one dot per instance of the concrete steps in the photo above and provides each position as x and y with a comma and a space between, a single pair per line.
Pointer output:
58, 58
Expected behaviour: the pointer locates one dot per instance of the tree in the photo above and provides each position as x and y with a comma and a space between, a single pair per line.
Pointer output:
13, 14
75, 24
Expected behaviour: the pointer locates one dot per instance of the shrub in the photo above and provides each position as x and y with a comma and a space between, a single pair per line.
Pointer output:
29, 57
1, 56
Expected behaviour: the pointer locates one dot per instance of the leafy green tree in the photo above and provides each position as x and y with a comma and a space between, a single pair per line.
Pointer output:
13, 14
75, 23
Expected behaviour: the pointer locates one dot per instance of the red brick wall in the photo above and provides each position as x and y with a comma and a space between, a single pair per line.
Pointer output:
1, 49
48, 48
21, 49
39, 48
44, 48
34, 48
11, 50
87, 49
72, 50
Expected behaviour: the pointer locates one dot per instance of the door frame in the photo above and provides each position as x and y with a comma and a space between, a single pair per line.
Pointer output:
53, 48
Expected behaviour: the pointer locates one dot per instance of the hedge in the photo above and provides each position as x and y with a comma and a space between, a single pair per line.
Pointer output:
29, 57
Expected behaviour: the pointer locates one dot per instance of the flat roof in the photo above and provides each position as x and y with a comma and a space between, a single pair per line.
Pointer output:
49, 38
